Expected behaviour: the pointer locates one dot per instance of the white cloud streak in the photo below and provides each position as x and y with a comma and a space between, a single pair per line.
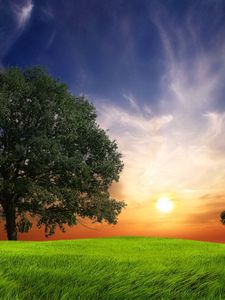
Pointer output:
131, 100
19, 16
22, 13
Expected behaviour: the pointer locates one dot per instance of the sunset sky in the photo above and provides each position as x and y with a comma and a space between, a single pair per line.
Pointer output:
155, 71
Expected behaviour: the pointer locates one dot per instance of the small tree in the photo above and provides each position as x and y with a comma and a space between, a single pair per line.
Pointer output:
56, 163
222, 217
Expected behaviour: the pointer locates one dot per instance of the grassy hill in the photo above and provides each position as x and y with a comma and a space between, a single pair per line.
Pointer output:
112, 268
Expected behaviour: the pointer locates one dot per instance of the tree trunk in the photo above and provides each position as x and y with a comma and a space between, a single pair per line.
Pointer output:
10, 213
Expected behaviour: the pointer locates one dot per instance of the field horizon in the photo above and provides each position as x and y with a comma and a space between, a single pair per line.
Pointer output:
112, 268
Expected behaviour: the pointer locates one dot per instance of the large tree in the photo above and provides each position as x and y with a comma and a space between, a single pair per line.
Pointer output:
56, 163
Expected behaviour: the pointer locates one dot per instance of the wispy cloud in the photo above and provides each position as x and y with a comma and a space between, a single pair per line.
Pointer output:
22, 12
141, 141
47, 11
50, 40
195, 69
17, 15
131, 100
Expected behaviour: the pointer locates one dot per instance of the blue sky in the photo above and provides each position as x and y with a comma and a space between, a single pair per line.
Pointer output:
106, 49
155, 71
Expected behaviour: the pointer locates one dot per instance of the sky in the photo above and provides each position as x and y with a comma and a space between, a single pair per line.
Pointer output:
155, 71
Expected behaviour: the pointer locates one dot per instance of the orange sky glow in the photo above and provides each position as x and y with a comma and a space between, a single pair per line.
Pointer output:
187, 220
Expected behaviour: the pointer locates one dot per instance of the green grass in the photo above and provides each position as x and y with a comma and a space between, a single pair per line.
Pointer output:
112, 268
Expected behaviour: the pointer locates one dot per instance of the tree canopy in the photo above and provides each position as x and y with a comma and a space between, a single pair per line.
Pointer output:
56, 163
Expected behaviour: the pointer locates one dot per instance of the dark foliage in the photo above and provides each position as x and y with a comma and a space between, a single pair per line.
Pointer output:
222, 217
56, 163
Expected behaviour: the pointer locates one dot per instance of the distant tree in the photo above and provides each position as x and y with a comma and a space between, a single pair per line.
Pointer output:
222, 217
56, 163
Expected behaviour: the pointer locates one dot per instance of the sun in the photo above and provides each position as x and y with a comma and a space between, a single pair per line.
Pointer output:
164, 204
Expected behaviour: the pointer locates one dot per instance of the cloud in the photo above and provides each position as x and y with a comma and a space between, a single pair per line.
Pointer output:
50, 40
22, 12
194, 69
140, 140
16, 17
132, 101
47, 12
216, 121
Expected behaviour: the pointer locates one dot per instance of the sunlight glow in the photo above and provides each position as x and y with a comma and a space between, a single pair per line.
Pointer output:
164, 204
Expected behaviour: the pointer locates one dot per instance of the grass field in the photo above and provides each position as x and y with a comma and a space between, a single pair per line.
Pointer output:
112, 268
